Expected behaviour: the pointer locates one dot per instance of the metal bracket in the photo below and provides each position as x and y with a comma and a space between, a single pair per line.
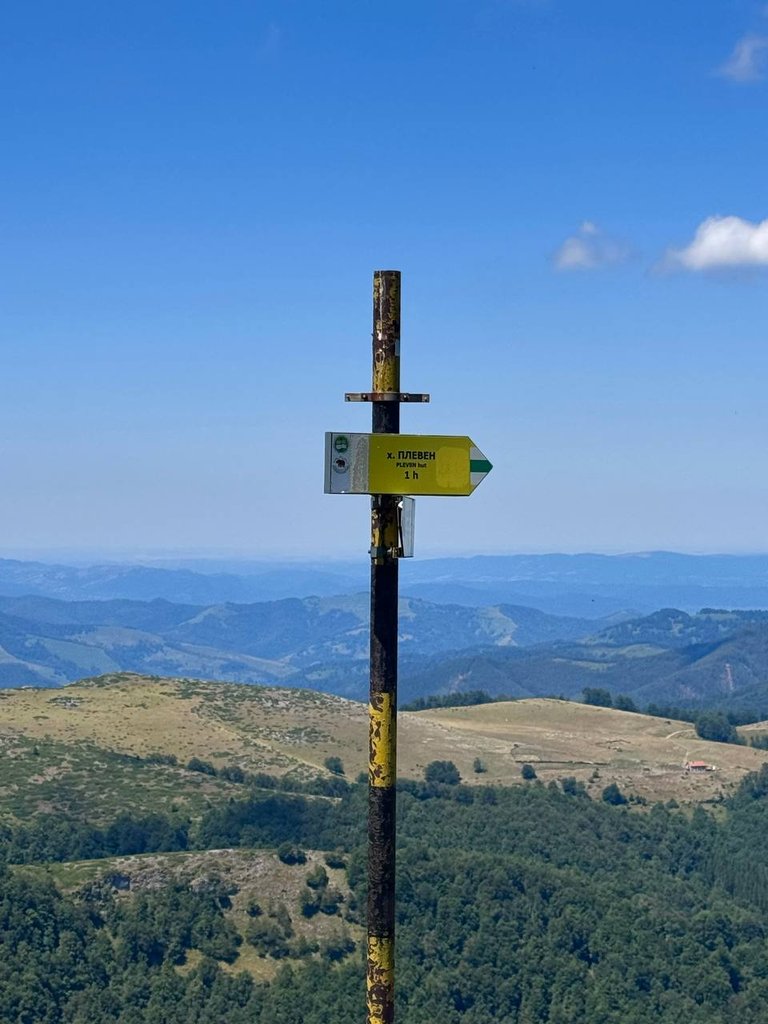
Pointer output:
405, 530
406, 513
385, 396
383, 552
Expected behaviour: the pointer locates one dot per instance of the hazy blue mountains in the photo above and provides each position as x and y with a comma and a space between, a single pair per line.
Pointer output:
583, 586
320, 642
595, 585
711, 658
252, 582
466, 630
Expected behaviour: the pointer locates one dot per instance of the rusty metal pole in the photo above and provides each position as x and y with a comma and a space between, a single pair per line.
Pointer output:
382, 765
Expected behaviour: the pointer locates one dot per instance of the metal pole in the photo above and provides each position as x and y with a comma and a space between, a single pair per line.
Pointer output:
382, 764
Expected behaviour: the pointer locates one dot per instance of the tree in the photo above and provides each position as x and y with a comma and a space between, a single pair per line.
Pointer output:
290, 853
624, 703
597, 696
572, 787
613, 795
317, 878
528, 772
267, 936
334, 765
713, 725
444, 772
337, 945
335, 859
478, 766
309, 902
330, 900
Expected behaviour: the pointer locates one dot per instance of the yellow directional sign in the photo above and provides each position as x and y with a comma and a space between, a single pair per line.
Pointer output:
411, 464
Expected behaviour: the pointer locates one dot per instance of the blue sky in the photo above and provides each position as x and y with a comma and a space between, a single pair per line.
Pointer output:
194, 196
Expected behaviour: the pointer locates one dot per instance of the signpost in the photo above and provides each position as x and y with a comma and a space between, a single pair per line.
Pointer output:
392, 468
414, 464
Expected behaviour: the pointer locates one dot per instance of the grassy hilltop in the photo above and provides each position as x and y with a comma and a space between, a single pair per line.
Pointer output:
125, 742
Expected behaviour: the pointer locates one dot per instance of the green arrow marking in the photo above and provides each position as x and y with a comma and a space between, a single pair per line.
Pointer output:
480, 466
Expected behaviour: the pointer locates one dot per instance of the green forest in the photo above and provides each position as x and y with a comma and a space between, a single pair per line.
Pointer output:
522, 905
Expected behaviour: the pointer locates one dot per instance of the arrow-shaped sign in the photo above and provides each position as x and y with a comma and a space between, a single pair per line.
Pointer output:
410, 464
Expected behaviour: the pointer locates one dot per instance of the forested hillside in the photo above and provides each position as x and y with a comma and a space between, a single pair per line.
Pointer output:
526, 905
713, 658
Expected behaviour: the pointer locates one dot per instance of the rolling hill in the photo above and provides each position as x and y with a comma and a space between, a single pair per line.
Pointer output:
106, 742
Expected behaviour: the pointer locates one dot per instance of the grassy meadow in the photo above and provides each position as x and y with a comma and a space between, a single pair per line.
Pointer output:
80, 749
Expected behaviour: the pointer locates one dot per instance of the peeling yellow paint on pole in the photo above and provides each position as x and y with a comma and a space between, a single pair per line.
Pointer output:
383, 740
381, 980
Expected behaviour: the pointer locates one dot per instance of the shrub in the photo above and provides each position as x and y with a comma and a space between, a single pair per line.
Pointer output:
283, 918
528, 772
158, 758
337, 946
267, 937
613, 795
309, 902
289, 853
330, 900
317, 878
334, 765
444, 772
335, 859
263, 781
303, 947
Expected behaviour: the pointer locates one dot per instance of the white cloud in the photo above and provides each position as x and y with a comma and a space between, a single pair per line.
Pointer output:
722, 242
747, 63
589, 249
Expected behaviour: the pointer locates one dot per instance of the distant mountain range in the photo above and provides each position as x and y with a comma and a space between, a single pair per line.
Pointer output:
713, 658
61, 623
593, 586
318, 642
584, 586
669, 657
255, 582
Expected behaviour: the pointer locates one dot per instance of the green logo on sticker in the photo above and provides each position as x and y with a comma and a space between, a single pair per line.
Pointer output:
341, 443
